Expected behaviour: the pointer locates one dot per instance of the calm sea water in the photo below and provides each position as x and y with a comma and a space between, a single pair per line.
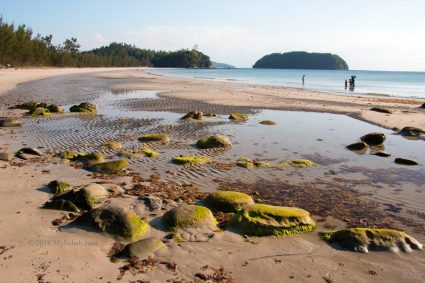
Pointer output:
403, 84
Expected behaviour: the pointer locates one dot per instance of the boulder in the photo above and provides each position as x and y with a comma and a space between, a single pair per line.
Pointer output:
357, 146
90, 158
266, 220
268, 122
126, 154
163, 138
373, 138
404, 161
191, 160
39, 111
367, 239
10, 122
189, 216
382, 110
61, 204
238, 116
58, 187
215, 141
228, 201
142, 248
110, 145
411, 132
69, 154
86, 198
196, 115
382, 153
152, 202
149, 152
115, 220
250, 163
84, 107
54, 108
5, 156
110, 167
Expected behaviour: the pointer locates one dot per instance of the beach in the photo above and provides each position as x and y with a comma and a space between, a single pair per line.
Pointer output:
343, 189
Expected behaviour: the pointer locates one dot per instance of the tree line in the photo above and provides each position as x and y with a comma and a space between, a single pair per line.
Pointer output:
19, 48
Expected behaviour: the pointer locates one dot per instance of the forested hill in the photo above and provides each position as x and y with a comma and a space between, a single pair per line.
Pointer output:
302, 60
19, 47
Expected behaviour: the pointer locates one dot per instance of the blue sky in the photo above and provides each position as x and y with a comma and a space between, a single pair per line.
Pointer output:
369, 34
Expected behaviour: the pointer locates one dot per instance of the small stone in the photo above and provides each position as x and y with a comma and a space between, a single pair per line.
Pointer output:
357, 146
411, 132
152, 202
382, 110
373, 138
5, 156
382, 154
404, 161
10, 122
215, 141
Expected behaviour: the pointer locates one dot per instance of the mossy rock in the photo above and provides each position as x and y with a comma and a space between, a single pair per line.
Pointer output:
10, 122
297, 163
111, 145
228, 201
61, 204
238, 116
110, 167
191, 160
126, 154
374, 138
90, 158
357, 146
149, 152
86, 198
251, 163
367, 239
69, 154
54, 108
189, 216
404, 161
215, 141
142, 248
29, 105
39, 111
267, 220
84, 107
115, 220
59, 187
196, 115
268, 122
163, 138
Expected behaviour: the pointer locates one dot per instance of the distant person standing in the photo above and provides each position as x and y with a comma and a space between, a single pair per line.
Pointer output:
346, 83
303, 79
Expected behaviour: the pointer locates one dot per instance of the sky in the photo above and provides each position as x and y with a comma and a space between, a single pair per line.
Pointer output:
368, 34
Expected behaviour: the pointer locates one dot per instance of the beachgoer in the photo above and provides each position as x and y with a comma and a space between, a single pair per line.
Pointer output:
345, 84
302, 79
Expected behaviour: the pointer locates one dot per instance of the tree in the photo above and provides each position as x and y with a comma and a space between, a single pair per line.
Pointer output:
71, 45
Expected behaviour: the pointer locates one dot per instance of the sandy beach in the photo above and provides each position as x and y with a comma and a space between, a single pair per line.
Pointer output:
343, 189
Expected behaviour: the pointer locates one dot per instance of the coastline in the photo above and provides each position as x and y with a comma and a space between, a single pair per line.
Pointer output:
54, 253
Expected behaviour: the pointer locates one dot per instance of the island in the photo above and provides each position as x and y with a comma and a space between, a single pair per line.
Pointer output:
302, 60
217, 65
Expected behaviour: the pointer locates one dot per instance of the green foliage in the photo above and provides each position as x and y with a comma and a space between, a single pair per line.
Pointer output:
18, 47
302, 60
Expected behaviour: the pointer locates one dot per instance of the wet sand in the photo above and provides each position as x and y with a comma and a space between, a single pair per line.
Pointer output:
385, 194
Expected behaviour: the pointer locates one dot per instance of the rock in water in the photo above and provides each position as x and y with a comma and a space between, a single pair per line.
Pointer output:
191, 160
373, 138
196, 115
84, 107
404, 161
238, 116
228, 201
216, 141
189, 216
116, 221
365, 239
10, 122
411, 132
268, 122
357, 146
155, 138
267, 220
143, 248
54, 108
110, 167
382, 153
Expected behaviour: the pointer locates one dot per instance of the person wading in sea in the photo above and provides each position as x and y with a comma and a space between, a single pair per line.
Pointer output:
302, 79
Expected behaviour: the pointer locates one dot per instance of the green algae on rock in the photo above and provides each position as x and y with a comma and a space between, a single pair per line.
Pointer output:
215, 141
115, 220
110, 145
39, 111
84, 107
61, 204
297, 163
142, 248
54, 108
69, 154
238, 116
189, 216
85, 198
155, 138
250, 163
149, 152
367, 239
110, 167
90, 158
126, 154
196, 115
268, 122
191, 159
228, 201
58, 187
267, 220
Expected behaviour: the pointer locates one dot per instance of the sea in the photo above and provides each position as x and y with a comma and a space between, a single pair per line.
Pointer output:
377, 83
